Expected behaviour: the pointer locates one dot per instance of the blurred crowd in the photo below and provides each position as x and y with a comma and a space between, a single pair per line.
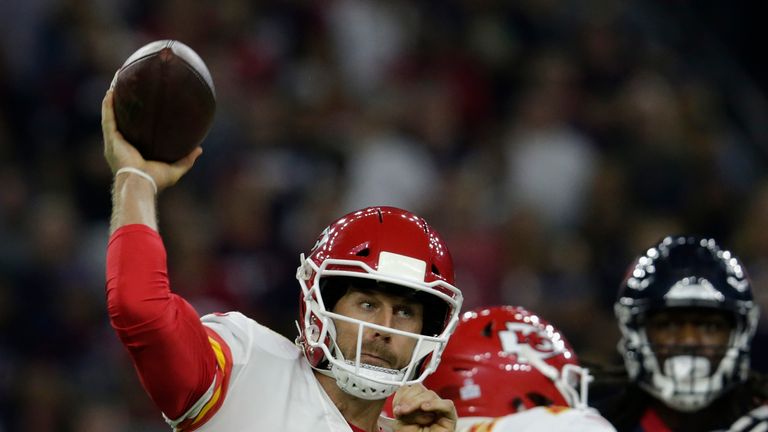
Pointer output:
550, 142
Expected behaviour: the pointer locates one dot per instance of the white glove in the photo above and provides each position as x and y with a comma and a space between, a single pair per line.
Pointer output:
754, 421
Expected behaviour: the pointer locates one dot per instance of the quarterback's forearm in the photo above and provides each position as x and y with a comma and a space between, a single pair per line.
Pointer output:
133, 202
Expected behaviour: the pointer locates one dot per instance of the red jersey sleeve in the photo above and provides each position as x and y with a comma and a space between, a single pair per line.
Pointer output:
651, 422
178, 360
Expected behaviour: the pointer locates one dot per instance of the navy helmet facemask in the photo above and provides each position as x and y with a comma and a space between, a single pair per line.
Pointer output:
686, 272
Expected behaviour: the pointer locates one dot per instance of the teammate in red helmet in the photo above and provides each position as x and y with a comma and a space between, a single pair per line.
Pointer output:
507, 369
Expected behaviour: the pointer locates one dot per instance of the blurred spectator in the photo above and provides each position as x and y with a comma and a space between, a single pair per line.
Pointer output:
367, 36
377, 153
550, 164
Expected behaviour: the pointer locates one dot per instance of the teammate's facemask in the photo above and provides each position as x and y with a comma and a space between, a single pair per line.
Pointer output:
399, 253
686, 276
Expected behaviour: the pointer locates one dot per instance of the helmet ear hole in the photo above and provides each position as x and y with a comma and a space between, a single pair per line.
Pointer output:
488, 330
435, 270
517, 405
539, 399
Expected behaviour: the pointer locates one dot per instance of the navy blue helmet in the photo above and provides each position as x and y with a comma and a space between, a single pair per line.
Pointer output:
686, 272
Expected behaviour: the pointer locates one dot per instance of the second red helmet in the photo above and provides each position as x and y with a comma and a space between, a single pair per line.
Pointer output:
505, 359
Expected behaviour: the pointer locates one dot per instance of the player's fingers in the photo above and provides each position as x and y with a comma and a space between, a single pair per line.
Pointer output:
408, 428
118, 152
187, 161
435, 404
400, 403
107, 113
420, 409
108, 122
109, 129
168, 174
112, 136
442, 407
184, 164
441, 425
410, 398
428, 402
418, 418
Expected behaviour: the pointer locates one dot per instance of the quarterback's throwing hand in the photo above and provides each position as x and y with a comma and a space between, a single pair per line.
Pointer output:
119, 153
417, 409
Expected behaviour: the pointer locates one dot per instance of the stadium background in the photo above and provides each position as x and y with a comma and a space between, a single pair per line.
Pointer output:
549, 141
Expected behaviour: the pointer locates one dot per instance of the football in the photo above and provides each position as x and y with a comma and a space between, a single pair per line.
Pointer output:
164, 100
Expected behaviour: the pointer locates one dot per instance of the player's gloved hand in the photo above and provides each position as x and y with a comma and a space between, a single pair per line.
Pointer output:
754, 421
417, 409
119, 153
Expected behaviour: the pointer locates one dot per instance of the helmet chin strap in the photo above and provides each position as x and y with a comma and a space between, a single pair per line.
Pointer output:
359, 385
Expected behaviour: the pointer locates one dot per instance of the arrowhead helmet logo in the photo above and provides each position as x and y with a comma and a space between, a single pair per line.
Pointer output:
541, 341
322, 239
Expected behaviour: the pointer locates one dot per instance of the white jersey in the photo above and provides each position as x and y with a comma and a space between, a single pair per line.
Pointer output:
271, 385
539, 419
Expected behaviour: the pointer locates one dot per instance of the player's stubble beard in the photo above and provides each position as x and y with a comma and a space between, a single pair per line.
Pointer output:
377, 348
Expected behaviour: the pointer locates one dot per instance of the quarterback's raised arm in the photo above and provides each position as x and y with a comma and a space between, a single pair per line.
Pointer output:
168, 344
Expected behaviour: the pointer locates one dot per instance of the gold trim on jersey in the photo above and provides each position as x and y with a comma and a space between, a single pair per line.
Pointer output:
221, 360
485, 426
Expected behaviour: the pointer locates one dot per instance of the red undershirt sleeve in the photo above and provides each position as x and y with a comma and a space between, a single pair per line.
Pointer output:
176, 360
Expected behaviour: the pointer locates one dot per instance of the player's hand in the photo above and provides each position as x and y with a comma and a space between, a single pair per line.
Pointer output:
417, 409
119, 153
754, 421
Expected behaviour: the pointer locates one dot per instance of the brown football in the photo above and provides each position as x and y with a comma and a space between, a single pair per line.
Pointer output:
164, 100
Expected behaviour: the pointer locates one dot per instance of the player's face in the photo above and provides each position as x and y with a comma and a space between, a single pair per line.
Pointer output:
379, 348
698, 331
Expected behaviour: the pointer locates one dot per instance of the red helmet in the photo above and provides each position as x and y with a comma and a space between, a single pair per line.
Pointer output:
505, 359
393, 247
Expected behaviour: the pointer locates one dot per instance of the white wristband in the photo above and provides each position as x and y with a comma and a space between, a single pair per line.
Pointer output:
139, 173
